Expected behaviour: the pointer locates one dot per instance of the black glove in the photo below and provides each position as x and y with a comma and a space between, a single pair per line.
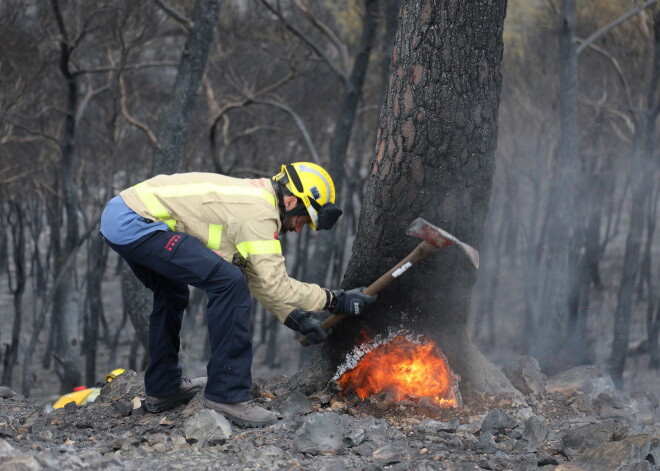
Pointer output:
350, 302
301, 321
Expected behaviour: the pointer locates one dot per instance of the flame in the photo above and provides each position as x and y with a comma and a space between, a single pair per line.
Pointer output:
404, 369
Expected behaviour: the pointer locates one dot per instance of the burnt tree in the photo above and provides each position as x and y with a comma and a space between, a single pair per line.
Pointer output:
434, 158
173, 132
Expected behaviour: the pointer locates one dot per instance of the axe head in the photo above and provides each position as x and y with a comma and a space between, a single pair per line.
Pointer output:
437, 237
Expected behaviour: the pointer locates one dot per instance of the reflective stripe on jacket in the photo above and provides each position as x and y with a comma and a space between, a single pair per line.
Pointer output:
230, 216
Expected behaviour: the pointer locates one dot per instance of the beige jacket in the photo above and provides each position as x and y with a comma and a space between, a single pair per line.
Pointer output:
230, 216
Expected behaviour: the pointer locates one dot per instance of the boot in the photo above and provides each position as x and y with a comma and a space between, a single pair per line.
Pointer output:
185, 393
246, 413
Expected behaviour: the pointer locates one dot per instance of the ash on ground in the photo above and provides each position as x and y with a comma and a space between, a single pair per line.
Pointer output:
574, 421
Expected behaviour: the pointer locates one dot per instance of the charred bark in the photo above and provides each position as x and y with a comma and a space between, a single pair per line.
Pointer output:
97, 256
176, 118
343, 131
642, 175
16, 223
172, 135
434, 158
547, 336
66, 308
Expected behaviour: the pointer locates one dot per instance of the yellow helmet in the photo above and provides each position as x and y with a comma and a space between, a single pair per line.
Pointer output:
314, 186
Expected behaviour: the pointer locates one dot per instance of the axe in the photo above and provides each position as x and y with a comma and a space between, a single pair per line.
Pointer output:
433, 238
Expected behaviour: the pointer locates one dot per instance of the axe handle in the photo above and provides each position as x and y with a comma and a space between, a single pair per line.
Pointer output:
423, 250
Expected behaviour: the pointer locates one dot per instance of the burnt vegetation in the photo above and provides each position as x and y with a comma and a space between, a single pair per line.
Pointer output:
525, 129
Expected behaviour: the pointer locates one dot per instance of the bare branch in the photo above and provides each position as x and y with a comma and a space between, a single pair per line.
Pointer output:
619, 73
275, 85
296, 32
606, 29
296, 119
615, 112
218, 111
36, 135
176, 15
127, 116
90, 93
325, 29
13, 178
144, 65
248, 132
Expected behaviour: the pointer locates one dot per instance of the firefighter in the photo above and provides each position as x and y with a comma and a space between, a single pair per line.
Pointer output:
220, 234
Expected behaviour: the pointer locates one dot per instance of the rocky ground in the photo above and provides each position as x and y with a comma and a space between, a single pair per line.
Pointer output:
574, 421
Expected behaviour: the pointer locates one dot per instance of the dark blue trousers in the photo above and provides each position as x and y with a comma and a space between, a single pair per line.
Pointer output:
167, 262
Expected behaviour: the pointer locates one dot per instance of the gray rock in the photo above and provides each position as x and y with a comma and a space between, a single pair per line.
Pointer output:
620, 404
89, 455
485, 445
179, 442
647, 404
525, 375
123, 408
624, 455
71, 461
543, 458
125, 386
586, 379
6, 393
47, 460
333, 465
455, 442
641, 466
378, 431
6, 449
473, 424
592, 435
355, 438
430, 426
535, 430
292, 404
264, 457
320, 434
21, 463
364, 449
127, 444
70, 408
461, 467
497, 421
156, 439
207, 428
388, 454
524, 413
615, 404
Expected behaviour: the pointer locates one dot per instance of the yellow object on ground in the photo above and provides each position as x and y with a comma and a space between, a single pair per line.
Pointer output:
82, 394
79, 396
113, 374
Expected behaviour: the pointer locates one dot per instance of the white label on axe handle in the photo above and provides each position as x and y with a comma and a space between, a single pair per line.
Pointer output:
400, 271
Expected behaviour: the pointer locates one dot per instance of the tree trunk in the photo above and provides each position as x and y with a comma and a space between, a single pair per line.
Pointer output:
97, 256
547, 338
176, 117
343, 130
643, 168
435, 158
172, 135
66, 307
16, 222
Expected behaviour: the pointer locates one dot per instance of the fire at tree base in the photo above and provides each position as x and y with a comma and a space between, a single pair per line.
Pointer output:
403, 367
